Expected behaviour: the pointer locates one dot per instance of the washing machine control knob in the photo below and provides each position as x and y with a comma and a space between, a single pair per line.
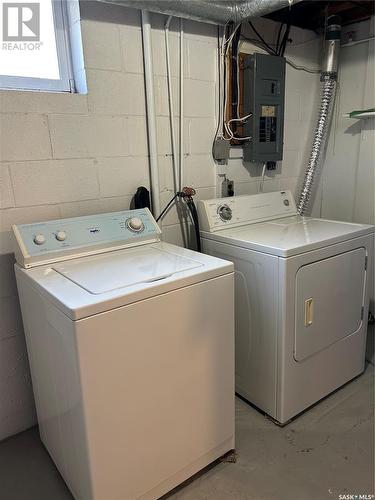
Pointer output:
39, 239
61, 235
135, 224
225, 213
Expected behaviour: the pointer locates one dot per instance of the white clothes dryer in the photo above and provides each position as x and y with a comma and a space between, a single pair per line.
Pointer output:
301, 298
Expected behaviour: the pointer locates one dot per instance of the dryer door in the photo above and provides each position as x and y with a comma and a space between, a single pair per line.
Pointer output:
329, 300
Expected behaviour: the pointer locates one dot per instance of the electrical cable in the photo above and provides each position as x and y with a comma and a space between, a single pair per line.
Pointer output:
222, 83
219, 90
288, 61
302, 68
257, 43
238, 87
284, 41
225, 89
235, 79
262, 39
236, 120
278, 38
226, 124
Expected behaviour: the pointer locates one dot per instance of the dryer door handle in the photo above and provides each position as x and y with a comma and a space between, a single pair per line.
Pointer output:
309, 311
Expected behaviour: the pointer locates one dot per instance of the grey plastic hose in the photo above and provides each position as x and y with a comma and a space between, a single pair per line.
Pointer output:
321, 131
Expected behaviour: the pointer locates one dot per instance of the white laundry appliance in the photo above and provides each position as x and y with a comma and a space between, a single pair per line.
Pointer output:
131, 348
301, 293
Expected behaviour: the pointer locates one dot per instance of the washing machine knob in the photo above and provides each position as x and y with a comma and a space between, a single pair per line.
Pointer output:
135, 224
225, 213
39, 239
61, 236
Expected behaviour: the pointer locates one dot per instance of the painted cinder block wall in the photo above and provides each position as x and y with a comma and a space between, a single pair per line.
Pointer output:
64, 155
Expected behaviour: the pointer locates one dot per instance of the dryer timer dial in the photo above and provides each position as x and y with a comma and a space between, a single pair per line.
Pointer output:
225, 213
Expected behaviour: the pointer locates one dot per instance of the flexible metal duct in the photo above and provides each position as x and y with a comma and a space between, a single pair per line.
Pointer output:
208, 11
329, 83
325, 112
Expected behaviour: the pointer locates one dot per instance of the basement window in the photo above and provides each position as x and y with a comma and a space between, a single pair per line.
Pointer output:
39, 42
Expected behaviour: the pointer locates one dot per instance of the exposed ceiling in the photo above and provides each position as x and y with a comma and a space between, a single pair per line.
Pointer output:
311, 14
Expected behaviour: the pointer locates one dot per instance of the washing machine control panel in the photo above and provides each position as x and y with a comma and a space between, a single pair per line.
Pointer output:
55, 240
222, 213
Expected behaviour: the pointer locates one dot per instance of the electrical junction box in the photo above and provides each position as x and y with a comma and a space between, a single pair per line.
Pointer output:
264, 94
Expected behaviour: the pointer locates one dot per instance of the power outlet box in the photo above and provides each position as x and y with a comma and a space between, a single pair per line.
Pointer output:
220, 150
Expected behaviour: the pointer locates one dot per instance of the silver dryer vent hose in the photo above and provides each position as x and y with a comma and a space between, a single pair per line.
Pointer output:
326, 106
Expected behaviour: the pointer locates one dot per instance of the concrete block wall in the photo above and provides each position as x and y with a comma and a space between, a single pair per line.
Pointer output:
64, 155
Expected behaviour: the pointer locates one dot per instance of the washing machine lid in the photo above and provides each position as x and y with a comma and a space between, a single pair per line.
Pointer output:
104, 273
90, 285
291, 235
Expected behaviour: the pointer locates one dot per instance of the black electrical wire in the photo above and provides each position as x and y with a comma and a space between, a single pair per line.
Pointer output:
281, 42
262, 39
278, 38
284, 41
258, 43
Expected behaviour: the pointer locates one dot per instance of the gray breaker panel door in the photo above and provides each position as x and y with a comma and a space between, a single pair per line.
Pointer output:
329, 300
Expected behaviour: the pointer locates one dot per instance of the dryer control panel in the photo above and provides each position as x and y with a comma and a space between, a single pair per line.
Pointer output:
222, 213
56, 240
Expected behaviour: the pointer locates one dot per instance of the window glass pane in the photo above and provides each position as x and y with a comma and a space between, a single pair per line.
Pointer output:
28, 43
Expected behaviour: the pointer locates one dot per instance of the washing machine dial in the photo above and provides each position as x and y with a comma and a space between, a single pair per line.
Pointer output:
39, 239
60, 235
135, 224
225, 213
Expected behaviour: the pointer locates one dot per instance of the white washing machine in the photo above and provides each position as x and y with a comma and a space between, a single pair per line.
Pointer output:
301, 292
131, 348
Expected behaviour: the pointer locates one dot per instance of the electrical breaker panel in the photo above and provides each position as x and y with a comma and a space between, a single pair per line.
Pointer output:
264, 93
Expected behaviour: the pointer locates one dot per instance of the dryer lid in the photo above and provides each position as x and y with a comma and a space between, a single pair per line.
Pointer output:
104, 273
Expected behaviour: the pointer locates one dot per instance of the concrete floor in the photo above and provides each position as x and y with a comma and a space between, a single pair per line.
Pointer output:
325, 452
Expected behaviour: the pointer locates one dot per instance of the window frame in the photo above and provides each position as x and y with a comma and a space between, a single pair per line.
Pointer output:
63, 48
